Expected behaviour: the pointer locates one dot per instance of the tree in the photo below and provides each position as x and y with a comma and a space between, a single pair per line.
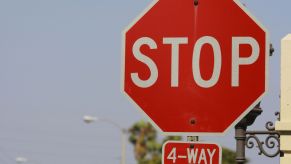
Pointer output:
148, 148
228, 156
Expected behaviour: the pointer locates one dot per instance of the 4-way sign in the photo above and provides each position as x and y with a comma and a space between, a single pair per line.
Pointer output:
177, 152
195, 69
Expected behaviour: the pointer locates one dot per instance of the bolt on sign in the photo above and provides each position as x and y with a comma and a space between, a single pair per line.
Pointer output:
195, 69
176, 152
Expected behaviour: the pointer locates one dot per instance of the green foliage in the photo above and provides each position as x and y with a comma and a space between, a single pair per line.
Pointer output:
148, 150
228, 156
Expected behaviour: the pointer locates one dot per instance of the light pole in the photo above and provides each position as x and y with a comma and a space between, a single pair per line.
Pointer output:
90, 119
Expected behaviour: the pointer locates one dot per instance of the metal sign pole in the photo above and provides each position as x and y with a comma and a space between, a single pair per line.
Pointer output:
240, 136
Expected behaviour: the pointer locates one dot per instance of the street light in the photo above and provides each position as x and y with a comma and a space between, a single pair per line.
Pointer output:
90, 119
21, 160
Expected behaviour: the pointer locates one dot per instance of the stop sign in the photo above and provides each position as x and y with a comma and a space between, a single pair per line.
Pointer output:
195, 68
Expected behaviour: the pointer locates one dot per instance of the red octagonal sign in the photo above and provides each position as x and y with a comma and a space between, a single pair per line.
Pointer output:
195, 69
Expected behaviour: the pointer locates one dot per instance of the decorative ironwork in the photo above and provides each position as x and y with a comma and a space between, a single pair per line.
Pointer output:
270, 147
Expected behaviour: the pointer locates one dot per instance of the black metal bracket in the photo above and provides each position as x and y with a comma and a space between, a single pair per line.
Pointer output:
270, 147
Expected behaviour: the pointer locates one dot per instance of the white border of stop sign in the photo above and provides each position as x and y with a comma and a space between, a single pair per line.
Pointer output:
198, 79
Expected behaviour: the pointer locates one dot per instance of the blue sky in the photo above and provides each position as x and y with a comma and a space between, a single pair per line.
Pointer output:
61, 59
